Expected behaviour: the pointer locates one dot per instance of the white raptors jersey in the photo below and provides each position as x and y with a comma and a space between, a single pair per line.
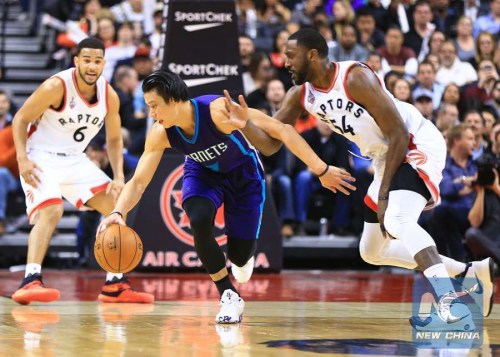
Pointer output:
69, 129
349, 119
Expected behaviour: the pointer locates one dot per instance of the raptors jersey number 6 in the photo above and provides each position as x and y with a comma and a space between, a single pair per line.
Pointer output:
70, 128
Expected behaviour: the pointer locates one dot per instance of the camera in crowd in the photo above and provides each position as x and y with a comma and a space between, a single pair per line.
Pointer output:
486, 164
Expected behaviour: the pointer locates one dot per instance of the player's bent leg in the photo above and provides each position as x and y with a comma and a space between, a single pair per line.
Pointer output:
32, 287
241, 254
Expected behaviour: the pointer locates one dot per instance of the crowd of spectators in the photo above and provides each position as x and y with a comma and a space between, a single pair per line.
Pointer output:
443, 56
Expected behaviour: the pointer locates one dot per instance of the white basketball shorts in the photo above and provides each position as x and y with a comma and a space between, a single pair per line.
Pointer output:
73, 177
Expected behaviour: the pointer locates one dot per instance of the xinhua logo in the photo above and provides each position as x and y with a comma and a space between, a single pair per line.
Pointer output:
452, 320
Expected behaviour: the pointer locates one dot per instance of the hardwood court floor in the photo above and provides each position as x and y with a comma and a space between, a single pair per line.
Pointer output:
295, 313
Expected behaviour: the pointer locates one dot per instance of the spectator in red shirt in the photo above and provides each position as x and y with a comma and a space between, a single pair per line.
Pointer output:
400, 58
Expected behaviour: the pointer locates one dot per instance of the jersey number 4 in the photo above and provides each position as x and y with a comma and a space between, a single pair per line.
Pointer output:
345, 129
79, 136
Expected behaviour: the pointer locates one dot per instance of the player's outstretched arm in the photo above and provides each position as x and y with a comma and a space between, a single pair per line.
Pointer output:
49, 94
156, 143
331, 177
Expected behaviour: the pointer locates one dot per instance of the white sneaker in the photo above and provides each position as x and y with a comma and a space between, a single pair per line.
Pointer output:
231, 311
243, 274
484, 272
230, 335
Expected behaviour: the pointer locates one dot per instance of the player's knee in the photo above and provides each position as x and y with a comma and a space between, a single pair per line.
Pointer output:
51, 213
239, 251
395, 222
201, 221
367, 253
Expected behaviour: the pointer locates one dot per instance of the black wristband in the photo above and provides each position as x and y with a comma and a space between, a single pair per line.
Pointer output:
324, 172
116, 212
383, 198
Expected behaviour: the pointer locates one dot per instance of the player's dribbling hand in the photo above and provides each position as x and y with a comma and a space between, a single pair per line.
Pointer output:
115, 187
28, 171
337, 179
113, 218
236, 115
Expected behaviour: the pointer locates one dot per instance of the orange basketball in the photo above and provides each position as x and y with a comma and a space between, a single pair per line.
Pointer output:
118, 249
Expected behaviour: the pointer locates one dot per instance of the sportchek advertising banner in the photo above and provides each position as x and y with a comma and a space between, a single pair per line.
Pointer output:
165, 231
201, 45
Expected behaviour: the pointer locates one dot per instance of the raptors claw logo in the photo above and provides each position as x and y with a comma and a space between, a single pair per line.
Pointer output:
174, 216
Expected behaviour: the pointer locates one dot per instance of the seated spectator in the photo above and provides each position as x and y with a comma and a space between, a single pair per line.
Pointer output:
418, 37
489, 22
483, 237
402, 91
422, 100
304, 12
273, 15
426, 79
465, 44
447, 116
378, 64
478, 93
390, 79
138, 12
260, 72
434, 59
125, 84
401, 59
9, 172
494, 102
370, 37
278, 58
448, 222
452, 69
246, 49
247, 17
445, 17
486, 47
343, 13
379, 13
475, 121
106, 31
490, 117
124, 48
348, 49
332, 149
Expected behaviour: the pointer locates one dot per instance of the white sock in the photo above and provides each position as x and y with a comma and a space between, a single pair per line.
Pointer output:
32, 268
452, 266
439, 279
110, 276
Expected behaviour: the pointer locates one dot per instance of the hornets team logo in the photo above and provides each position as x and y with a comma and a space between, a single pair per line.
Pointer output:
174, 216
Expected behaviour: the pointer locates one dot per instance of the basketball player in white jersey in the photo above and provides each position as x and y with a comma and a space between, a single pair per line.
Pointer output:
408, 154
51, 131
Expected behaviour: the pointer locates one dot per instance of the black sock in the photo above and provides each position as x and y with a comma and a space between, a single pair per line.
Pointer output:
224, 284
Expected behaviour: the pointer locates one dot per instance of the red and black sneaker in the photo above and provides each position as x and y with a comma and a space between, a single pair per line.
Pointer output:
32, 289
119, 290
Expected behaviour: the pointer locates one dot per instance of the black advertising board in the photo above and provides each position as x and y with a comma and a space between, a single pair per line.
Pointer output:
201, 45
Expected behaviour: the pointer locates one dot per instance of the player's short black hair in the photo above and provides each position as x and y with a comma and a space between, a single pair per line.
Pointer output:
311, 39
90, 42
168, 85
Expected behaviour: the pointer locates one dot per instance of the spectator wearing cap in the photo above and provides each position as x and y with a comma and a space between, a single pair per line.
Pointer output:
426, 79
422, 99
452, 69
